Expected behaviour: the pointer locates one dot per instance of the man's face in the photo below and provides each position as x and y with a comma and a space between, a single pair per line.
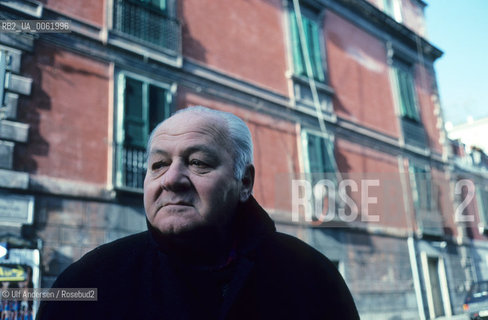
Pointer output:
190, 180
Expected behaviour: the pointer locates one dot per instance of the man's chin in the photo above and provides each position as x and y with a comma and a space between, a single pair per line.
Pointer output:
175, 228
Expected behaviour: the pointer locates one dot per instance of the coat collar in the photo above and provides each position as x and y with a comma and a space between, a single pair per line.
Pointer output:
249, 227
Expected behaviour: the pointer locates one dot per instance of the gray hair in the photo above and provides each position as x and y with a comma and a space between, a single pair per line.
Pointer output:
239, 136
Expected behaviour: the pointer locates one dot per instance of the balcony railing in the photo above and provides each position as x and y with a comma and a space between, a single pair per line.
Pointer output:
142, 22
414, 133
132, 167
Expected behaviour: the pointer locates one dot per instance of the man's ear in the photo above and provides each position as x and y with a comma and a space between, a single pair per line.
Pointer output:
247, 183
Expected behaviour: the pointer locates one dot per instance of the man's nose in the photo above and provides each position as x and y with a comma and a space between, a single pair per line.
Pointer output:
175, 178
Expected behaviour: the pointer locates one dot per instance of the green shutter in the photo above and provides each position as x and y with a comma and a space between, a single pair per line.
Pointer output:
411, 97
401, 91
421, 187
314, 154
134, 118
312, 41
157, 106
482, 202
406, 93
320, 154
414, 186
307, 30
141, 106
298, 63
315, 51
328, 155
145, 105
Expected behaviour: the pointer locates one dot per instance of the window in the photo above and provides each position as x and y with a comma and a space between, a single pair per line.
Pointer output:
436, 286
149, 21
393, 9
141, 105
405, 90
425, 197
311, 31
319, 157
319, 153
421, 188
482, 202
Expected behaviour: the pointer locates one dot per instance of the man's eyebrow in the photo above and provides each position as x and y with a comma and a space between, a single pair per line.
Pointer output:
201, 148
191, 149
158, 151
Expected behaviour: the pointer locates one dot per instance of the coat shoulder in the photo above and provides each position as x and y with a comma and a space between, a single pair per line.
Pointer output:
103, 260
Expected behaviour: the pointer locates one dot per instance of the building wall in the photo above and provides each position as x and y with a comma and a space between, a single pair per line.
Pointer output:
68, 116
71, 227
430, 117
359, 74
359, 163
235, 59
91, 11
210, 31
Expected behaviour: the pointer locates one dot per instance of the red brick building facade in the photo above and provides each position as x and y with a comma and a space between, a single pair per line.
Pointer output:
337, 89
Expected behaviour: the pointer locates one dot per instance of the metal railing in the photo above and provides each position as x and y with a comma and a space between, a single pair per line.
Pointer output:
150, 25
132, 167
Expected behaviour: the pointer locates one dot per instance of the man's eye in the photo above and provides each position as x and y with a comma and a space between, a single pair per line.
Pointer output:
198, 163
157, 165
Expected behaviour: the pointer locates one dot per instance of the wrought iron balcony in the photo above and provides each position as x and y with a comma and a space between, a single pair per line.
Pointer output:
152, 26
131, 167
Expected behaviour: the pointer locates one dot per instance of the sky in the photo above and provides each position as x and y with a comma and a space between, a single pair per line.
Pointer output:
460, 29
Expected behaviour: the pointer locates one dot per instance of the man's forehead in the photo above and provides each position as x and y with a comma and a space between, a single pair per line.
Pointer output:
192, 126
187, 121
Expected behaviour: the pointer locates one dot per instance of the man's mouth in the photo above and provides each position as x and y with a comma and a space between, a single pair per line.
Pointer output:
177, 203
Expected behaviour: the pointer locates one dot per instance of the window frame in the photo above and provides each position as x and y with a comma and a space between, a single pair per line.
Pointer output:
120, 145
315, 44
415, 170
443, 285
407, 109
429, 218
332, 173
305, 133
482, 204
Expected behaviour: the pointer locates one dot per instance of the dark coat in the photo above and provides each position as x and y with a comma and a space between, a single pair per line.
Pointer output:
274, 276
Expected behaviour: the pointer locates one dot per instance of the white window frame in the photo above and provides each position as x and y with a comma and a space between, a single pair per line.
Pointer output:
482, 206
330, 149
441, 270
121, 75
397, 63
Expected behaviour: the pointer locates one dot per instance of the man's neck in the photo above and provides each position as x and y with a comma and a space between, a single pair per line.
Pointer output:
199, 248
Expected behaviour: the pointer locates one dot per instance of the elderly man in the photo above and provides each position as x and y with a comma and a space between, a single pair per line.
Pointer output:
210, 252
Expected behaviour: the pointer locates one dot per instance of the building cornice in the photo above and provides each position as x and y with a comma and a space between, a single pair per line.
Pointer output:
387, 24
